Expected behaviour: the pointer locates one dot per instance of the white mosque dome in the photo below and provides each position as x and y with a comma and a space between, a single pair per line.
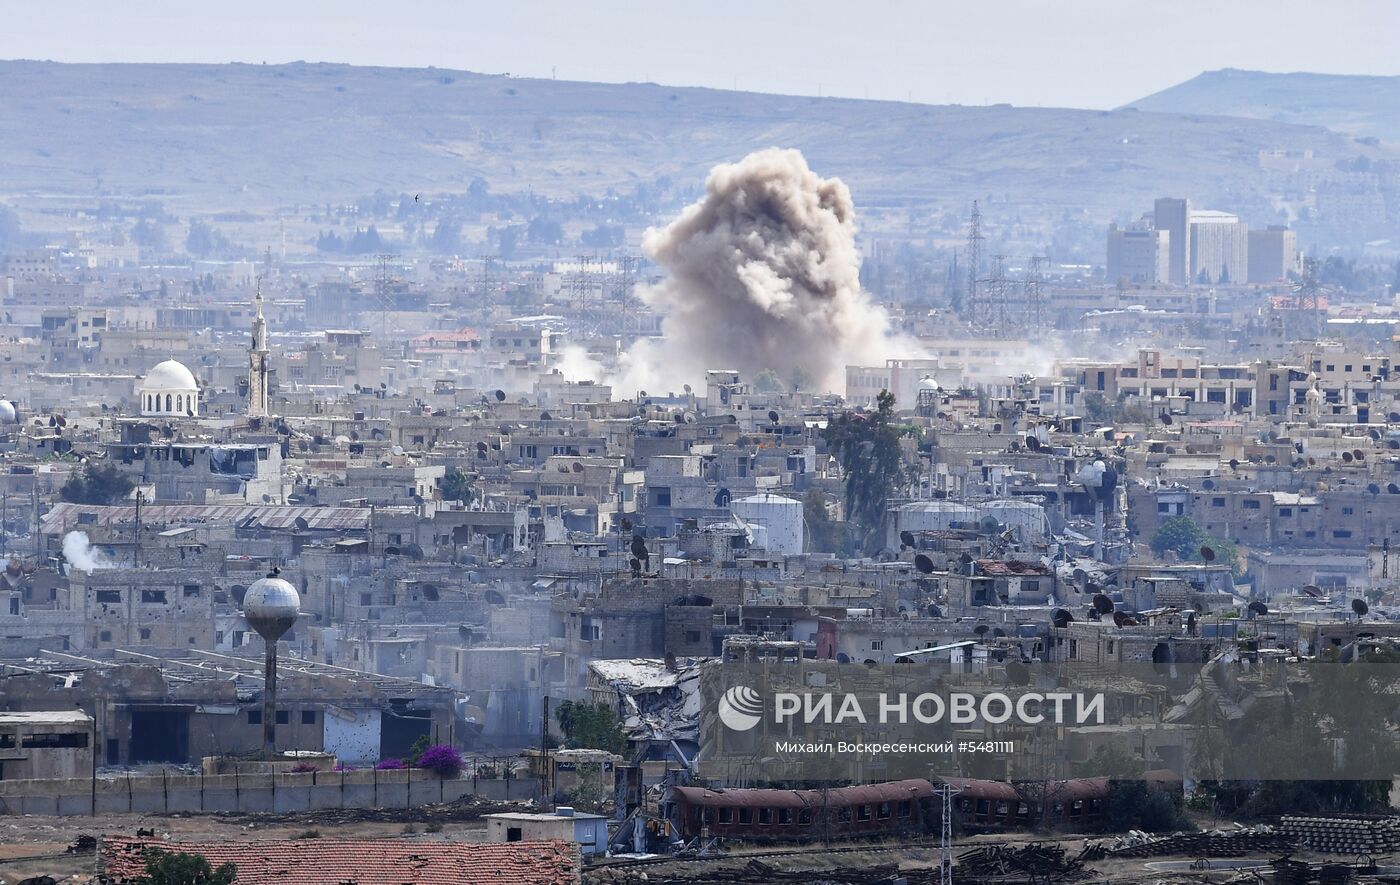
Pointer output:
169, 389
7, 412
170, 375
927, 383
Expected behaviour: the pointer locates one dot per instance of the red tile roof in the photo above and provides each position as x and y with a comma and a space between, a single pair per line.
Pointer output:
363, 862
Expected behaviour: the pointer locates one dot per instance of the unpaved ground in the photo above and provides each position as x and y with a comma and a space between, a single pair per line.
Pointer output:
46, 839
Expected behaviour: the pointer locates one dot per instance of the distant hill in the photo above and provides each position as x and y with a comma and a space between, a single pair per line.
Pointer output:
1358, 106
215, 136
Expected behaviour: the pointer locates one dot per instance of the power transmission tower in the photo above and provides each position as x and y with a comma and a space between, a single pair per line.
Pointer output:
383, 283
486, 275
974, 262
945, 841
990, 309
1309, 295
1035, 304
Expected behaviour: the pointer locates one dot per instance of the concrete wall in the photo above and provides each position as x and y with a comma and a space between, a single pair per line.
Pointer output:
286, 792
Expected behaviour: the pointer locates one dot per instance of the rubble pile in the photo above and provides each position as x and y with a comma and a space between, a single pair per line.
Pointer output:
759, 871
1340, 835
1216, 843
1040, 862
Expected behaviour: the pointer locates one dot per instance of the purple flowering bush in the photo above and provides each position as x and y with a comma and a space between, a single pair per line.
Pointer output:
443, 760
391, 765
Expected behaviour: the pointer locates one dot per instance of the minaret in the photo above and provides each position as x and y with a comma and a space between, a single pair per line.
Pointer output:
257, 361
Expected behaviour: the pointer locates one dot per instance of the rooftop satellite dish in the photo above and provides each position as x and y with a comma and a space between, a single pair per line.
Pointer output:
980, 629
1346, 457
1061, 617
1234, 463
1373, 489
397, 450
690, 417
1258, 608
1033, 443
906, 538
1207, 553
301, 523
1208, 484
923, 564
1393, 489
1360, 607
1375, 434
678, 417
1120, 619
687, 388
500, 396
1102, 604
545, 416
577, 467
1166, 418
773, 416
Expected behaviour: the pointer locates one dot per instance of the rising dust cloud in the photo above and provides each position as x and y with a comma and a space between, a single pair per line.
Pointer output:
763, 273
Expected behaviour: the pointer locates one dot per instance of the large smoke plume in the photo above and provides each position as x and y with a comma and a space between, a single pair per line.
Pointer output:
763, 273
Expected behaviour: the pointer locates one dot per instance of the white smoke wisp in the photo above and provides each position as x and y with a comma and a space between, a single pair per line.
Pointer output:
577, 364
80, 553
763, 274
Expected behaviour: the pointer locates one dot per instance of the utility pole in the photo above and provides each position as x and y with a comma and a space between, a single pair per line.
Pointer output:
546, 764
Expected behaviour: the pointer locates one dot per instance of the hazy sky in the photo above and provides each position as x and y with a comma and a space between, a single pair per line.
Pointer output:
1079, 53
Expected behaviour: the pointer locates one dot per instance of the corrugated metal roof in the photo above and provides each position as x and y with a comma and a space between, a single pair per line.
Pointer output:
64, 517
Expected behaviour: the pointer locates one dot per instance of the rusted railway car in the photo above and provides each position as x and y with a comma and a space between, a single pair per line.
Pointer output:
887, 809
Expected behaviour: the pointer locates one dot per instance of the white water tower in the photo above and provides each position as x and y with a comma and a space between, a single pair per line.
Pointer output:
271, 606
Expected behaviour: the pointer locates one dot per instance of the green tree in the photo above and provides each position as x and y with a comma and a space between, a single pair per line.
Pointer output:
456, 486
204, 240
97, 484
590, 726
1096, 408
1133, 805
1184, 537
181, 868
824, 534
867, 448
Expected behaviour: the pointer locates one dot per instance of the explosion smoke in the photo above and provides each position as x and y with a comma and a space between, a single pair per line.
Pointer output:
763, 274
80, 553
